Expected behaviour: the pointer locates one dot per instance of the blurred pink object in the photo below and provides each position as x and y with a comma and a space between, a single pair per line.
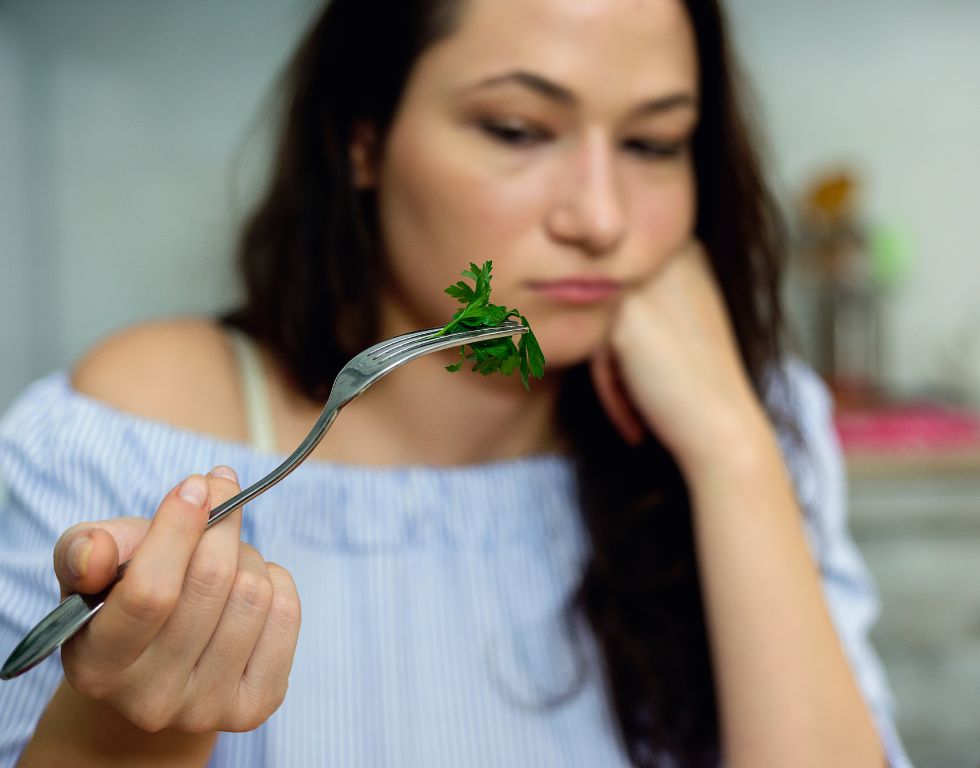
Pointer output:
908, 429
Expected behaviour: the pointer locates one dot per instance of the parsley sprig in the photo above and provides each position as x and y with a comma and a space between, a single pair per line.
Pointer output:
495, 355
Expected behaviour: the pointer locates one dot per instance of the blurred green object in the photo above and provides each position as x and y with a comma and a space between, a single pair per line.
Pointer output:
892, 246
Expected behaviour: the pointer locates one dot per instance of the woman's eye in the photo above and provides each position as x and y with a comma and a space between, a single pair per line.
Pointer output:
516, 134
655, 150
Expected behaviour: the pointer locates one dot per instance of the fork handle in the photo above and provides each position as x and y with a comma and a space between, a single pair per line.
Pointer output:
72, 613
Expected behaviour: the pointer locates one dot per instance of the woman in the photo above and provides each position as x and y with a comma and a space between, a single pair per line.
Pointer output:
612, 568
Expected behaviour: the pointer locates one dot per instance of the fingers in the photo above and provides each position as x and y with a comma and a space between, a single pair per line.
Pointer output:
267, 673
200, 634
207, 584
219, 669
615, 402
140, 603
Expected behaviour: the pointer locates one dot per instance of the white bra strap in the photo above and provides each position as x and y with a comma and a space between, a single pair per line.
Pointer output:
258, 414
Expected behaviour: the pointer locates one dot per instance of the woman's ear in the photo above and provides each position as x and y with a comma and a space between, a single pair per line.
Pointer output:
363, 154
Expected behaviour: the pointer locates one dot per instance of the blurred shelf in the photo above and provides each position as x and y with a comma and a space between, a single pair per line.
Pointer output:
951, 464
906, 441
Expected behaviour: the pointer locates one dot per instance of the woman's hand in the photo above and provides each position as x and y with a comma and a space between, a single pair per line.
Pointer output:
199, 636
672, 363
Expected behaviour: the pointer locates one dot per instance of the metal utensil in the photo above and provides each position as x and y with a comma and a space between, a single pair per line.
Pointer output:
363, 370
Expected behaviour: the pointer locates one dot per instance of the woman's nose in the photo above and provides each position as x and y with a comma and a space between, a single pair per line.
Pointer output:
587, 211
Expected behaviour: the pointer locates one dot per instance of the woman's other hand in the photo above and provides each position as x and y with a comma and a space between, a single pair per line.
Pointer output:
672, 363
199, 636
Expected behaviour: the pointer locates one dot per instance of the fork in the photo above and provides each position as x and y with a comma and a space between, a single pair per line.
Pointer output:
363, 370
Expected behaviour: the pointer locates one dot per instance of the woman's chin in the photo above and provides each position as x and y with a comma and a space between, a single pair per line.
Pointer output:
570, 345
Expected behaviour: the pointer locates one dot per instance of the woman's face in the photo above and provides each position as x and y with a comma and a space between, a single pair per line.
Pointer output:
553, 138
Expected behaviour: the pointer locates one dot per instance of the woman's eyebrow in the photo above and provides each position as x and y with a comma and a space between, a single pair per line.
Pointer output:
559, 93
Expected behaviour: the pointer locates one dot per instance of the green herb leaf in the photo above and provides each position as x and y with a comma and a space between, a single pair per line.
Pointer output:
532, 351
495, 355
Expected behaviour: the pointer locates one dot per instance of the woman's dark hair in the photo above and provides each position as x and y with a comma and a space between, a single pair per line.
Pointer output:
309, 258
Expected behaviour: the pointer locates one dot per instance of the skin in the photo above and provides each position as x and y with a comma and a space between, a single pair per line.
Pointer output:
557, 174
545, 185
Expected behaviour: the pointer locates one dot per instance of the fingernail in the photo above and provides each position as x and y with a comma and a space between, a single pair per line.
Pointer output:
226, 472
78, 554
194, 489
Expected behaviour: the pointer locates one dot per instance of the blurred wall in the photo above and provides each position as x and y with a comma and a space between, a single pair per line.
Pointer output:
122, 123
16, 309
130, 142
891, 87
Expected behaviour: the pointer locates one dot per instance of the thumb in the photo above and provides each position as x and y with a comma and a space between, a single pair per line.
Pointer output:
87, 555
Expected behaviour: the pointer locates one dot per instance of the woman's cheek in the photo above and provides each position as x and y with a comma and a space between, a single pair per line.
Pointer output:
665, 220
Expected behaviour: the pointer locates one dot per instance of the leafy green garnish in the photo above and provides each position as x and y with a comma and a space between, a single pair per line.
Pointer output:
495, 355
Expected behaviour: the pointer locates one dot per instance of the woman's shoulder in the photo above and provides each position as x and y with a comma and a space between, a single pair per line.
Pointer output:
180, 371
793, 384
109, 435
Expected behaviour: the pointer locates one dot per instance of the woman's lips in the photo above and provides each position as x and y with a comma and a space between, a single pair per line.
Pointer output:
578, 290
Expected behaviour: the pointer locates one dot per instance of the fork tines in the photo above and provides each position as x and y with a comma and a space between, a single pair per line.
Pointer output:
421, 339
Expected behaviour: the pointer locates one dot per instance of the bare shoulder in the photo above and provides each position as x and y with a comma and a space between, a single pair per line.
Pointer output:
181, 371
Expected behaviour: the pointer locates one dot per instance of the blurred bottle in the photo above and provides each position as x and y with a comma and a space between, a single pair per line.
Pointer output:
835, 245
961, 364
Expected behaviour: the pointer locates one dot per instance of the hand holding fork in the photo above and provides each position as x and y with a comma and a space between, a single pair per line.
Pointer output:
240, 608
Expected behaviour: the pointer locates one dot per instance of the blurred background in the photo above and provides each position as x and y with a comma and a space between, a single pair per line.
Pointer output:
133, 137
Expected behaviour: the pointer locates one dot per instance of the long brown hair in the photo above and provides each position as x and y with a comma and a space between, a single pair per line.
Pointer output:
309, 256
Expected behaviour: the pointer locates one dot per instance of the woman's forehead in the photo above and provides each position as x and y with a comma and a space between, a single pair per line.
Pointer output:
616, 47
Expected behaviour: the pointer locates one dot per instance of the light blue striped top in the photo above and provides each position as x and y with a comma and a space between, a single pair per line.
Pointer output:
432, 597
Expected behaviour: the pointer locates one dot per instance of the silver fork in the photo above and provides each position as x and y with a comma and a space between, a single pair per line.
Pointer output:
363, 370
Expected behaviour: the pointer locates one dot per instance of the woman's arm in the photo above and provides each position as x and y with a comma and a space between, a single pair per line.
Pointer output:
93, 734
786, 693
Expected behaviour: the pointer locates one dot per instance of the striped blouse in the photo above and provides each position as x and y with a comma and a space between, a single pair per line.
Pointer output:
433, 598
